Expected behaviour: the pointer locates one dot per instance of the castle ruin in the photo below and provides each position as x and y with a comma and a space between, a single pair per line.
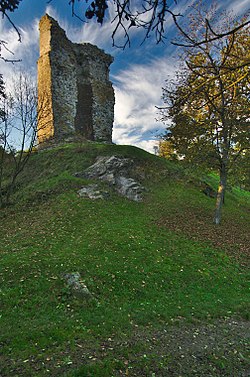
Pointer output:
73, 88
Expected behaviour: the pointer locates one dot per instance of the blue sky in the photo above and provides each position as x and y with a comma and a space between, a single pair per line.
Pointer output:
138, 73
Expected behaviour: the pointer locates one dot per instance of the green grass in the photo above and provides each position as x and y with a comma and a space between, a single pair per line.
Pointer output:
143, 276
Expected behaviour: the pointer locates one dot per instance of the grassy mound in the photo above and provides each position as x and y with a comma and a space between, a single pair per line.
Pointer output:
159, 270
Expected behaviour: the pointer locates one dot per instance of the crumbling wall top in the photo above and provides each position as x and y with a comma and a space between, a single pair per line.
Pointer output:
92, 52
49, 31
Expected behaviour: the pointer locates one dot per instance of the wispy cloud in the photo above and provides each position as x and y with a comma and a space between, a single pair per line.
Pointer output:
239, 7
138, 91
26, 51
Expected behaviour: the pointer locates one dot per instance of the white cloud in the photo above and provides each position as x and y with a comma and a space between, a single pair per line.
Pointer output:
148, 145
138, 91
239, 7
25, 52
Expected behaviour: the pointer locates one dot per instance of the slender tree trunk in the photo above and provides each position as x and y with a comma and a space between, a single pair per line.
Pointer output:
11, 188
1, 176
220, 194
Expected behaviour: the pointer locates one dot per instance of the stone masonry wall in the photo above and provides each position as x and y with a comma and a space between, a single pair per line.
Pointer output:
74, 86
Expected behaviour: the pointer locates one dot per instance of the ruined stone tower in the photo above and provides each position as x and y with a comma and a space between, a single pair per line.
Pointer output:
75, 96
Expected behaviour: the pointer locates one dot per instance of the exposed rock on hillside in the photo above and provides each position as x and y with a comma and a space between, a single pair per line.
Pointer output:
93, 192
77, 286
115, 171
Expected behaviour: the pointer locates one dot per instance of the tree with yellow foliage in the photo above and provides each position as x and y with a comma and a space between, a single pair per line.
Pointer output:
209, 101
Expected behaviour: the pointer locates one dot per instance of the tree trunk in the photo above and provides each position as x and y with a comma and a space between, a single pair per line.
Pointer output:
220, 195
10, 189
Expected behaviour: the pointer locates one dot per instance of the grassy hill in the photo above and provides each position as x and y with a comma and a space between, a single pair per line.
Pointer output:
170, 289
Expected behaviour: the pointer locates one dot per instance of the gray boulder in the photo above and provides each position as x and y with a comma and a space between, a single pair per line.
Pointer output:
92, 192
77, 285
129, 188
116, 172
106, 168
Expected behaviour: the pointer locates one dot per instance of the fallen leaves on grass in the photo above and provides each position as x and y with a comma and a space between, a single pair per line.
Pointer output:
230, 236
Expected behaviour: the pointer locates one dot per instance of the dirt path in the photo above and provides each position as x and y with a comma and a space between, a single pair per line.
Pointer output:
220, 348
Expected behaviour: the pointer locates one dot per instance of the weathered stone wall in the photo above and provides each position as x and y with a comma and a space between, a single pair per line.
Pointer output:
73, 82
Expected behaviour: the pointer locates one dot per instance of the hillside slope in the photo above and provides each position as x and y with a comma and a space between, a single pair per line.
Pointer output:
170, 293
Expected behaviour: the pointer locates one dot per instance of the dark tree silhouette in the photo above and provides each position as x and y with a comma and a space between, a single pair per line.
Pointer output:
7, 6
149, 15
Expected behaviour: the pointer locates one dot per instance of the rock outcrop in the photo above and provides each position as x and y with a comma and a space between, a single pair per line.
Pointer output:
93, 192
115, 171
